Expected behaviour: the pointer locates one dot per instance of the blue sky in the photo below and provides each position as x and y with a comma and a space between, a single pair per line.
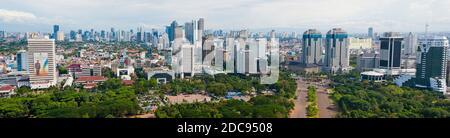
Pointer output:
352, 15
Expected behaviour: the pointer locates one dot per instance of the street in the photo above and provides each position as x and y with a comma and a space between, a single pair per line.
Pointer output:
326, 109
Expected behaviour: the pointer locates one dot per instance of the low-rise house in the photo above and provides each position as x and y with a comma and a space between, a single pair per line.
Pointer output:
7, 91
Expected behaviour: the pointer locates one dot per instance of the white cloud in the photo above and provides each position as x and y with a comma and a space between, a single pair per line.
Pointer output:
9, 16
353, 15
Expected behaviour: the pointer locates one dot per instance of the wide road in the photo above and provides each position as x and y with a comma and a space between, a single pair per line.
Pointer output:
326, 108
301, 101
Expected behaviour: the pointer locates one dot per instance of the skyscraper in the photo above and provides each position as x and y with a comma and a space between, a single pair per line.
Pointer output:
390, 51
190, 29
312, 47
178, 32
55, 31
170, 30
370, 32
41, 62
22, 60
432, 63
201, 29
336, 51
410, 45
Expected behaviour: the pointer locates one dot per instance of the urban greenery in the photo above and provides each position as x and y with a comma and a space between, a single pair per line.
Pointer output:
257, 107
261, 106
357, 99
114, 101
312, 110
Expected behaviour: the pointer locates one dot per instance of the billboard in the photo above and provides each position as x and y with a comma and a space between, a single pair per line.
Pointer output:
40, 64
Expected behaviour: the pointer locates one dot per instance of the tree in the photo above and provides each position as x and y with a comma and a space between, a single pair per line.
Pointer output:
107, 72
62, 70
218, 89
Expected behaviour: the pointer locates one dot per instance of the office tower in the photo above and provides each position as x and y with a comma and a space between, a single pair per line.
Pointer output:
251, 56
41, 62
360, 43
170, 30
207, 50
178, 32
139, 35
272, 34
191, 31
336, 51
2, 35
262, 48
243, 34
390, 51
312, 47
410, 45
240, 56
229, 54
219, 57
201, 29
164, 41
370, 32
367, 61
22, 60
432, 63
55, 31
72, 35
187, 60
60, 36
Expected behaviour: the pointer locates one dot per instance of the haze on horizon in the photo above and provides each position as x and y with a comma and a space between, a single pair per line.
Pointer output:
354, 16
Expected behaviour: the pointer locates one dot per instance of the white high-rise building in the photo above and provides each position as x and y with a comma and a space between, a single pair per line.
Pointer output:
240, 56
411, 46
219, 54
41, 62
251, 57
262, 48
229, 56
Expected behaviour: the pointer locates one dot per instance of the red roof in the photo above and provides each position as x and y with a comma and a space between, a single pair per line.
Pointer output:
7, 88
74, 66
91, 78
90, 85
127, 82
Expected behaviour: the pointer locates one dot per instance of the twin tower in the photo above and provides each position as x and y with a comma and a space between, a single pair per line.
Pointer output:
331, 53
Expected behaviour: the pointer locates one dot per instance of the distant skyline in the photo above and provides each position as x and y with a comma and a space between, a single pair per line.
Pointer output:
354, 16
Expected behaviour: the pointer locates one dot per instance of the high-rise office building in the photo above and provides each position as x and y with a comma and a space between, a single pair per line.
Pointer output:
22, 60
370, 33
251, 56
55, 31
239, 55
312, 47
337, 51
72, 35
178, 32
411, 46
190, 29
390, 51
201, 29
170, 30
187, 60
432, 63
60, 36
41, 62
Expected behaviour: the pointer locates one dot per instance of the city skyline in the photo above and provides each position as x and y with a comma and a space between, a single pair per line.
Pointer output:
353, 15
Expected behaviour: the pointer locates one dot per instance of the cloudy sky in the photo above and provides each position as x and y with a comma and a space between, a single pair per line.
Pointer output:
352, 15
